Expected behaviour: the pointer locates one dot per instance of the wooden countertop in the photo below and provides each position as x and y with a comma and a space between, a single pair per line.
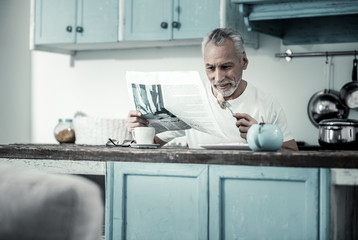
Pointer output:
321, 158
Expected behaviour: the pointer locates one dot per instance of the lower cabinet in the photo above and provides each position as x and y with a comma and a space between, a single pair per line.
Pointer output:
268, 203
156, 201
193, 201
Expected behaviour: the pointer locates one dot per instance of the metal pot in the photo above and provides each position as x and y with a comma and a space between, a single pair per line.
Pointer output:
349, 92
326, 105
338, 133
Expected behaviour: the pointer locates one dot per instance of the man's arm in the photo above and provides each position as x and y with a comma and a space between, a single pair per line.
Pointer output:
159, 141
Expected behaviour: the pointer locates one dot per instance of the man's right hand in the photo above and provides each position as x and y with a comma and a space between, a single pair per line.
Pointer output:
134, 120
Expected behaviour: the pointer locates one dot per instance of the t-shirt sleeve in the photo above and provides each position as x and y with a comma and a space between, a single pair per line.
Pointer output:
170, 135
278, 117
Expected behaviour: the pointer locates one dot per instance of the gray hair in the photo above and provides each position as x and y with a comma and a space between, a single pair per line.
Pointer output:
218, 35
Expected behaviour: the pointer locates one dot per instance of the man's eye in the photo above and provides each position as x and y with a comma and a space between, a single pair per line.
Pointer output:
226, 67
210, 68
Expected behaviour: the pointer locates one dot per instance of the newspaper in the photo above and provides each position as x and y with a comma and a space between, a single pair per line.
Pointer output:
172, 101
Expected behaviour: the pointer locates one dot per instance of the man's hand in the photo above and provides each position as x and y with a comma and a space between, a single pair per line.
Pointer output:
134, 120
243, 123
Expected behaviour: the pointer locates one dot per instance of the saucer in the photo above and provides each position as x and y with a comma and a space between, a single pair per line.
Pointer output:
148, 146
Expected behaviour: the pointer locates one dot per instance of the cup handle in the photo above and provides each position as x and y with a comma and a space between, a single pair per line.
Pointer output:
133, 134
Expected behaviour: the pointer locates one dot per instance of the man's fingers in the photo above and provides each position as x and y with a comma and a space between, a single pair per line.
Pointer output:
243, 123
134, 113
245, 116
243, 129
135, 120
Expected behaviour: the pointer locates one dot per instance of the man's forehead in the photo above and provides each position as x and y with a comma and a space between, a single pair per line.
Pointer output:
222, 53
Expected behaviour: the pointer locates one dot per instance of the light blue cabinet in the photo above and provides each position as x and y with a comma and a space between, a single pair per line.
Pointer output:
75, 25
191, 201
170, 19
159, 20
267, 203
70, 21
156, 201
55, 21
148, 20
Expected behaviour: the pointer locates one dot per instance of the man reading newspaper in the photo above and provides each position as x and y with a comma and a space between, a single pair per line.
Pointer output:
225, 60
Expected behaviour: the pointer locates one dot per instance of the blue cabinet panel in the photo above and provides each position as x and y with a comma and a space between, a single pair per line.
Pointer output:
325, 203
157, 201
170, 19
264, 203
99, 20
191, 201
70, 21
148, 20
195, 18
54, 21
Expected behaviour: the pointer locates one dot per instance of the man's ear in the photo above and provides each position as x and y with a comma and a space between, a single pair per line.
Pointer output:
245, 61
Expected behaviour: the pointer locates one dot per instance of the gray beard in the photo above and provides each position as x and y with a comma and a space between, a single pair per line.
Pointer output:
229, 92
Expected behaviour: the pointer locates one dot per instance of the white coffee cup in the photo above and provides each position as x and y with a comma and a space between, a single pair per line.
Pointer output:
143, 135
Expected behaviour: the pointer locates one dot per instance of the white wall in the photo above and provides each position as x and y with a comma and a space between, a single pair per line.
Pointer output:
96, 83
15, 72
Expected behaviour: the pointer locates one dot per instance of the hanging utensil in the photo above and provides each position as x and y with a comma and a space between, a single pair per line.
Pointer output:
325, 104
349, 92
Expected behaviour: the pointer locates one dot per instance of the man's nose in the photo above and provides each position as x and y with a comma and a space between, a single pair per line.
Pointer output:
219, 76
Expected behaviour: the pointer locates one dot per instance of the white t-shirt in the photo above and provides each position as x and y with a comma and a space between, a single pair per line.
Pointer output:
258, 104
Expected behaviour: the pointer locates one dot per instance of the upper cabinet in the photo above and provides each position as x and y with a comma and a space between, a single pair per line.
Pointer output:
303, 22
170, 19
70, 21
180, 19
104, 24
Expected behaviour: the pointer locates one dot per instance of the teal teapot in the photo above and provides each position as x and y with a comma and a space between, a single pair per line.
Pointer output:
264, 137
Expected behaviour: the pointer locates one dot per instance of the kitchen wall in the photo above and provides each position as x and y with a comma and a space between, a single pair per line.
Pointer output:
94, 82
15, 72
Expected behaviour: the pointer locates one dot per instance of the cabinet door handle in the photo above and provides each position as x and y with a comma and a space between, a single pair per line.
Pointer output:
176, 24
69, 29
164, 25
79, 29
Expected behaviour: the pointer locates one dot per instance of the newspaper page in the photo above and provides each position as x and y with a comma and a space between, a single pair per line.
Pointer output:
172, 101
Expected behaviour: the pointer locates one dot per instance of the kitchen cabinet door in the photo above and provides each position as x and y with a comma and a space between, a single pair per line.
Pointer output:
148, 20
156, 201
267, 203
69, 21
55, 21
170, 19
195, 18
97, 21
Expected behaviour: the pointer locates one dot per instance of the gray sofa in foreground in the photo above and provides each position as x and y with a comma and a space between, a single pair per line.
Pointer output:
43, 206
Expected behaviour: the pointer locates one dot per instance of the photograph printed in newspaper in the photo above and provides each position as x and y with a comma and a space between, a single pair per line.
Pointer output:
148, 99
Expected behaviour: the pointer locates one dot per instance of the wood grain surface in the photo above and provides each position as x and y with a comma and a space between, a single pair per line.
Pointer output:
322, 158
